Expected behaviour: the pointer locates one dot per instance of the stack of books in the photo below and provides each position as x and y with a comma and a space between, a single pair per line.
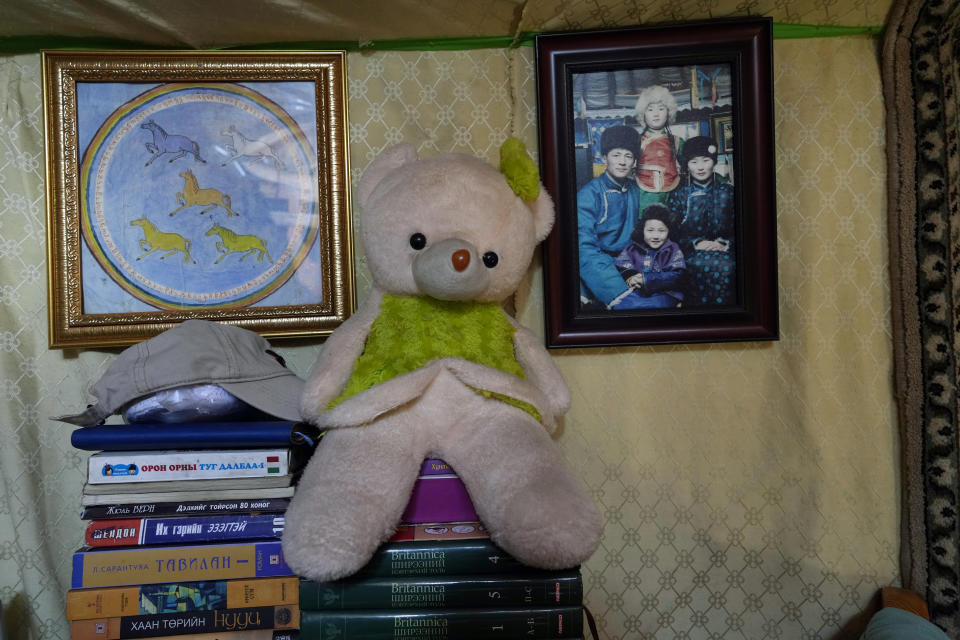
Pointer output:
441, 577
184, 530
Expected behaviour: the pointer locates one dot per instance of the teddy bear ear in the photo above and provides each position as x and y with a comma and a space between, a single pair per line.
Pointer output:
524, 179
543, 214
388, 160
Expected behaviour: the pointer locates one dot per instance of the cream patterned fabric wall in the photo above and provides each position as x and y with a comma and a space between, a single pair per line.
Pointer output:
749, 490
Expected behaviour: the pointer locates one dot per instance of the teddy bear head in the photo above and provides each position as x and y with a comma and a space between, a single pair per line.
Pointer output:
451, 226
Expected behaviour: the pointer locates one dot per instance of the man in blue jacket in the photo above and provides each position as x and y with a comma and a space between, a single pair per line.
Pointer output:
607, 210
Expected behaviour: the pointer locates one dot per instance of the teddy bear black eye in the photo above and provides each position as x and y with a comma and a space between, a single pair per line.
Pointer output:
490, 259
418, 241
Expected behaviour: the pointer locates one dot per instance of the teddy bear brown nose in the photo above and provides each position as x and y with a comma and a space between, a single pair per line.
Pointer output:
461, 259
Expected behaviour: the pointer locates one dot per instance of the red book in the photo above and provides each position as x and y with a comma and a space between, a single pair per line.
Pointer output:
440, 531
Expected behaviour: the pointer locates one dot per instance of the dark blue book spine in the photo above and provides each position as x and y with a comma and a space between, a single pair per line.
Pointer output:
187, 530
217, 621
185, 508
202, 435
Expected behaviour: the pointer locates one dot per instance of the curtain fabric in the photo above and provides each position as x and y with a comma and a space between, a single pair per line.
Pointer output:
920, 73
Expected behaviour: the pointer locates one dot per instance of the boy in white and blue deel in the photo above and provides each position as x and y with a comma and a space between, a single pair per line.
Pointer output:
607, 210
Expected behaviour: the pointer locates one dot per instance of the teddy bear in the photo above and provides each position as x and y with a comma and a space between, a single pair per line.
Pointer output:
431, 366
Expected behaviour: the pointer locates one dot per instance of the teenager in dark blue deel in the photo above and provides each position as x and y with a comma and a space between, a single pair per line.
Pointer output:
607, 211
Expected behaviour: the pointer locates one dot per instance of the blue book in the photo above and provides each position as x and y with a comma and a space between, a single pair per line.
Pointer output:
181, 563
119, 533
196, 435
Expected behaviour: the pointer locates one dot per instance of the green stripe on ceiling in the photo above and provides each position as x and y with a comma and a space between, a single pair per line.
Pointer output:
783, 31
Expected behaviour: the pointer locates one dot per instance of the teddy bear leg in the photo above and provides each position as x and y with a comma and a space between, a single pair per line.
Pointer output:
350, 497
534, 507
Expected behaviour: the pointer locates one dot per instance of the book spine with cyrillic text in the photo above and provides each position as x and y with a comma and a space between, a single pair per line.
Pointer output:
110, 467
251, 504
434, 467
429, 592
145, 565
251, 634
166, 624
444, 624
119, 533
441, 558
173, 597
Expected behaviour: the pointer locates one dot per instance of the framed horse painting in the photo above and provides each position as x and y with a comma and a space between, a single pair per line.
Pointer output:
196, 185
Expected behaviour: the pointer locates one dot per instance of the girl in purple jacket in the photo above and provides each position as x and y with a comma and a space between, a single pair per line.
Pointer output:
652, 264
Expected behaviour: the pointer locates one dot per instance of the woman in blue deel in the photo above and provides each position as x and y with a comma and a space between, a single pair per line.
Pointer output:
704, 206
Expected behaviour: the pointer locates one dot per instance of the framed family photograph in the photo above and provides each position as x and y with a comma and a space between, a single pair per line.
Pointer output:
196, 185
657, 146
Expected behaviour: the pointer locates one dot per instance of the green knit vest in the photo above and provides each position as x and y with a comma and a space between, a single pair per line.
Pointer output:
412, 331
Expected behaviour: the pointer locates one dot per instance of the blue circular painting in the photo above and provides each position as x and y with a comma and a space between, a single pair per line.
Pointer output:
199, 195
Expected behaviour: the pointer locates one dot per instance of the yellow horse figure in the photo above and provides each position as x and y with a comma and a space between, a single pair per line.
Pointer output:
231, 242
193, 194
156, 240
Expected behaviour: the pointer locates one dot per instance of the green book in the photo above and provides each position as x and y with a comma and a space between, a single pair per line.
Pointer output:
443, 624
441, 558
544, 589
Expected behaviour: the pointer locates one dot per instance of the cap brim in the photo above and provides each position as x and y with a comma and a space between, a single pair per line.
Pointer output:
92, 416
279, 396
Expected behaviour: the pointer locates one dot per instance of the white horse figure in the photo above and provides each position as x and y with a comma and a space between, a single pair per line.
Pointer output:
243, 147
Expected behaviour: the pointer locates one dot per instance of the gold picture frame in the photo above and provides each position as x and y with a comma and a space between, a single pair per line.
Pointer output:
723, 133
209, 185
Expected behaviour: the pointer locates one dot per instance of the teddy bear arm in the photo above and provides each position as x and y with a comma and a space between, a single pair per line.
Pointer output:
540, 370
333, 366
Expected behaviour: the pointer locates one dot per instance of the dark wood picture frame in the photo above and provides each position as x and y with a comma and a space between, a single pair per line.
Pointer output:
744, 46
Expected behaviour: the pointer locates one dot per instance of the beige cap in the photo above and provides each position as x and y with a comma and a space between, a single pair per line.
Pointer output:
197, 352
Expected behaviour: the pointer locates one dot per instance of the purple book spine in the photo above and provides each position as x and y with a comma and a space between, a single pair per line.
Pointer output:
435, 467
439, 498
